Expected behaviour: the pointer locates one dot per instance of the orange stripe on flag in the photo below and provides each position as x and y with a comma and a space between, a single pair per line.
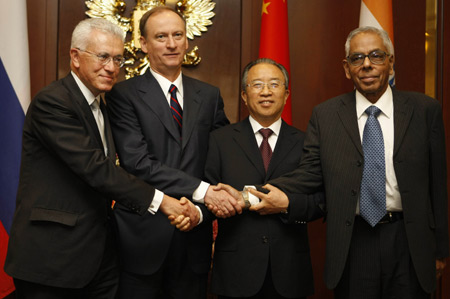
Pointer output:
382, 11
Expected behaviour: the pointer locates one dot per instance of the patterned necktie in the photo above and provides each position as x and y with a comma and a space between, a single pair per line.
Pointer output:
175, 107
264, 148
95, 107
372, 204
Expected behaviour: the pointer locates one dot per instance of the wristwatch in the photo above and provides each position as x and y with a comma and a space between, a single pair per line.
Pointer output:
245, 197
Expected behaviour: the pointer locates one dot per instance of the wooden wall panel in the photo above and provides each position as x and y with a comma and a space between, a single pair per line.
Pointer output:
42, 18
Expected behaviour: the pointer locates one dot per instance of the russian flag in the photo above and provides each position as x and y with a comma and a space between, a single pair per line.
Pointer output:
14, 101
378, 14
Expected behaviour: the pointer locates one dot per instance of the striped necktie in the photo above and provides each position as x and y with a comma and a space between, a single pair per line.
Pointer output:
175, 107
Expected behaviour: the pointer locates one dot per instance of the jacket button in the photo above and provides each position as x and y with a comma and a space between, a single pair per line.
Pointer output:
348, 223
354, 192
265, 239
358, 163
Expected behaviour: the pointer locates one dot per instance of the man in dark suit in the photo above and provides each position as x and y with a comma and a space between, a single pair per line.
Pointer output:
161, 123
398, 254
261, 256
61, 243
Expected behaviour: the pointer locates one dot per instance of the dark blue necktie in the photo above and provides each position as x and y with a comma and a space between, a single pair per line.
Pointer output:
175, 107
372, 205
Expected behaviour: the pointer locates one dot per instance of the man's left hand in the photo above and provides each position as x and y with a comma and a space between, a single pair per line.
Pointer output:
189, 219
274, 202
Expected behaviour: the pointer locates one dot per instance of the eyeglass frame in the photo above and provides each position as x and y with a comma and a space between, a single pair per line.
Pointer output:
263, 85
386, 55
107, 59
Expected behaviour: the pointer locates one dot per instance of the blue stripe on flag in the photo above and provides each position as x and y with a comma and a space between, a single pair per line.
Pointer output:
11, 124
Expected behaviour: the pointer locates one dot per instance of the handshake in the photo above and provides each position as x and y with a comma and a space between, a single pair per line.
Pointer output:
224, 201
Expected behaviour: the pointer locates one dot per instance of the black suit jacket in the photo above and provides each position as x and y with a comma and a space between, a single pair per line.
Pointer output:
65, 190
333, 157
149, 146
246, 242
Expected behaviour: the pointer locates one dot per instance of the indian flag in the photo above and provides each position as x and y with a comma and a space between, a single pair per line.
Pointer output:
378, 14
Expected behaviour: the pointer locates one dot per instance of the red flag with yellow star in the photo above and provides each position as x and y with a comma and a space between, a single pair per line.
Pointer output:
274, 40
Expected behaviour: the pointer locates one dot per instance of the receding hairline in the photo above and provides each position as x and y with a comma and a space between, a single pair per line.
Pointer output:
154, 12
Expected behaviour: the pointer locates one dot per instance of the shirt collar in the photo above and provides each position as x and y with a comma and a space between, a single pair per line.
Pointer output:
88, 95
384, 103
165, 83
275, 127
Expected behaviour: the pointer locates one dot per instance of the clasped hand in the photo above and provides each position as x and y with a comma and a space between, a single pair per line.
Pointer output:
181, 213
274, 202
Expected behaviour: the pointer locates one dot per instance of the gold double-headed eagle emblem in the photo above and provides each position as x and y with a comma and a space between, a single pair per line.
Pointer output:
197, 13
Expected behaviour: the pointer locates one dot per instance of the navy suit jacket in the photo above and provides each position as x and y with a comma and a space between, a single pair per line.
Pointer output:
66, 187
149, 146
333, 158
246, 242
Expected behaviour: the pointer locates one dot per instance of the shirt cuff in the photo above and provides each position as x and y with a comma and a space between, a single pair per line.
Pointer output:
201, 215
252, 198
156, 202
199, 194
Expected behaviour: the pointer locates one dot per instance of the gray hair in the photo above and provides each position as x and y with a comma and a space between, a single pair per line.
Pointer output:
380, 32
268, 61
80, 35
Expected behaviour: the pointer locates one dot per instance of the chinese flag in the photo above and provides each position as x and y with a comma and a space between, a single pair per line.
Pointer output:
274, 40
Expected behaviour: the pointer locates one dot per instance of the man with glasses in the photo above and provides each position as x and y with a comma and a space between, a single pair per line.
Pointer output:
261, 256
61, 243
380, 155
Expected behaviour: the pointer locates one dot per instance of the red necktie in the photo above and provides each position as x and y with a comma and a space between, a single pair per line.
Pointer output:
264, 148
175, 107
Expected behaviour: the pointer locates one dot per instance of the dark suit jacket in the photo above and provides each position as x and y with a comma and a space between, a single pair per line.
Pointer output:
149, 146
246, 242
65, 190
333, 157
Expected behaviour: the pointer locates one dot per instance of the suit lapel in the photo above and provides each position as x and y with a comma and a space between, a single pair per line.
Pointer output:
191, 107
155, 98
402, 117
285, 143
245, 138
347, 114
108, 133
82, 103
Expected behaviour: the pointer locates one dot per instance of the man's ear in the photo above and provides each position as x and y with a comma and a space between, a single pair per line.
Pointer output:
143, 43
244, 97
75, 57
346, 69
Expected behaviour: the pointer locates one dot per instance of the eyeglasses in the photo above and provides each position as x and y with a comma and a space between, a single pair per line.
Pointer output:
259, 85
105, 58
376, 57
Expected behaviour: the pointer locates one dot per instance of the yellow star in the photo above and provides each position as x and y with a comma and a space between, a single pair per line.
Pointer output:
264, 8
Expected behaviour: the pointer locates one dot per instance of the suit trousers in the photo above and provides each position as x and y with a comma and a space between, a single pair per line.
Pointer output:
102, 286
174, 280
267, 291
379, 264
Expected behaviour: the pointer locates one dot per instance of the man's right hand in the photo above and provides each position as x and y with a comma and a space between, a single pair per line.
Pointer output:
172, 206
223, 200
